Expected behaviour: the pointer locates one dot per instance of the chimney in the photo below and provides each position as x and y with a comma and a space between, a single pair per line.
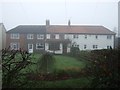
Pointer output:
47, 22
69, 22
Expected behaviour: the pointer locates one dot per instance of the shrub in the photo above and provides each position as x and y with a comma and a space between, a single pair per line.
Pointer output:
104, 68
13, 61
46, 63
75, 51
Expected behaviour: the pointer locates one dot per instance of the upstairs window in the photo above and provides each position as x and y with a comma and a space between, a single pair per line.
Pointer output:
29, 36
109, 36
56, 36
96, 36
40, 36
48, 36
39, 46
75, 36
85, 36
15, 36
66, 36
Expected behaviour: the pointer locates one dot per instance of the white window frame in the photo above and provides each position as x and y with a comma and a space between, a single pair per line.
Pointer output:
15, 36
40, 36
47, 36
30, 36
39, 44
14, 44
57, 36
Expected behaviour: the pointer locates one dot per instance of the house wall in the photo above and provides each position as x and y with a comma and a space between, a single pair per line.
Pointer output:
23, 42
57, 38
91, 40
2, 37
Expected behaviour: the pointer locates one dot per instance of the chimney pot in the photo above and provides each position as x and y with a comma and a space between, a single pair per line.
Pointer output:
47, 22
69, 23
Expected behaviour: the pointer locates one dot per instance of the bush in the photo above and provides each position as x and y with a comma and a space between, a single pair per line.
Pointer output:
104, 69
12, 63
46, 63
75, 51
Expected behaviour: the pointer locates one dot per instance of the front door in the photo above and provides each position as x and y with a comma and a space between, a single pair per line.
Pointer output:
30, 48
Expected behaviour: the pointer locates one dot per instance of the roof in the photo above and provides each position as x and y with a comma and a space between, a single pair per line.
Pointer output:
83, 29
28, 29
78, 29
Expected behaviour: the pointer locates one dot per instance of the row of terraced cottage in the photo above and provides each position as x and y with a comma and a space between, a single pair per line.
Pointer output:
59, 38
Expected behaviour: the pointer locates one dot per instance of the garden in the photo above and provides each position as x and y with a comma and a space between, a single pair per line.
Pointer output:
78, 69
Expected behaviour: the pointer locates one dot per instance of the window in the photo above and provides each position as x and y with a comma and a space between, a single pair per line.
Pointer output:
29, 36
85, 36
56, 36
78, 46
15, 36
30, 46
40, 36
96, 36
66, 36
109, 36
39, 46
75, 36
48, 36
75, 45
54, 46
14, 46
85, 46
95, 46
108, 47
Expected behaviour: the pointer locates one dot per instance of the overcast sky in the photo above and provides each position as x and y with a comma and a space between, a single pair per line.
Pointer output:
80, 12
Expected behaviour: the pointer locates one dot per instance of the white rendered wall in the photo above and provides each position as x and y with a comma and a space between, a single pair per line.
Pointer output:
0, 37
91, 40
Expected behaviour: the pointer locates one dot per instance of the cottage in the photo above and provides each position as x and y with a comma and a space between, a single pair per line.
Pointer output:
59, 38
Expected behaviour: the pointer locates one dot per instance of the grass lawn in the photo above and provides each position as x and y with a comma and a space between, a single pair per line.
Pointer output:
65, 63
68, 63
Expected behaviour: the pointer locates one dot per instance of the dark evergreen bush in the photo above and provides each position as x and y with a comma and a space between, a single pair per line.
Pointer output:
75, 51
46, 63
104, 69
